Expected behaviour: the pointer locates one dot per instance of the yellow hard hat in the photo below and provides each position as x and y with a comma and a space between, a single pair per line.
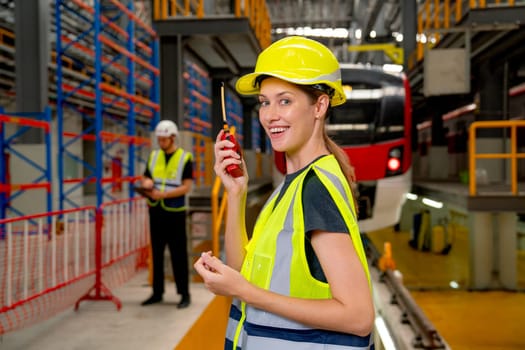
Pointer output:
297, 60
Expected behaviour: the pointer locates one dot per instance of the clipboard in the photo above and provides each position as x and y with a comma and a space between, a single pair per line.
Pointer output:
145, 192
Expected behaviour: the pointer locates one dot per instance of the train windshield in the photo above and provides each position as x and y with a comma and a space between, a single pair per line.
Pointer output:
371, 114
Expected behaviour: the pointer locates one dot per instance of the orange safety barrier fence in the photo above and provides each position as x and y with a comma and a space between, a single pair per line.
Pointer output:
47, 263
52, 261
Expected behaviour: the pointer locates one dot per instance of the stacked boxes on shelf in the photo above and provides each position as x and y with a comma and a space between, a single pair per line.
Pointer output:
234, 115
256, 135
197, 116
197, 99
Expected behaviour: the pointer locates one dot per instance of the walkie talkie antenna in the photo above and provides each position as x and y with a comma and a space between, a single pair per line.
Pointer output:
234, 170
223, 105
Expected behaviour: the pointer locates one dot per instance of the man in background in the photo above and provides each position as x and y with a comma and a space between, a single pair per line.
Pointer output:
171, 170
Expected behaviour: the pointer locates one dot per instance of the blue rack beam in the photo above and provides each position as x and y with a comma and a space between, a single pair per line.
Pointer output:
42, 179
123, 78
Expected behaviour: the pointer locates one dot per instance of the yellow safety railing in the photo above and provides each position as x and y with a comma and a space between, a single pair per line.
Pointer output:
163, 9
255, 10
443, 14
392, 51
203, 159
218, 210
513, 155
7, 37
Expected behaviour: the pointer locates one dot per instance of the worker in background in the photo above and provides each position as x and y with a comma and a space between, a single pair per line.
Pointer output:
302, 280
171, 169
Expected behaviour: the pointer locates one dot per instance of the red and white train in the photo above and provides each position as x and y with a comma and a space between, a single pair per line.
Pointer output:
374, 129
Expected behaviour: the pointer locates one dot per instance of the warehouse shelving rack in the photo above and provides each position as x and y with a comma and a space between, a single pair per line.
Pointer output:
118, 91
10, 189
234, 113
197, 119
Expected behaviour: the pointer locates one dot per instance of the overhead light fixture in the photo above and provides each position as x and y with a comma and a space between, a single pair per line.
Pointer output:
397, 36
393, 68
432, 203
411, 196
341, 33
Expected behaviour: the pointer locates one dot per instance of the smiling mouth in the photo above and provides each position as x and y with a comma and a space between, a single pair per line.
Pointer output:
275, 131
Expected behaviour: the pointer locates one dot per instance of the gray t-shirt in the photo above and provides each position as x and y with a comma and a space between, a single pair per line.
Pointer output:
320, 213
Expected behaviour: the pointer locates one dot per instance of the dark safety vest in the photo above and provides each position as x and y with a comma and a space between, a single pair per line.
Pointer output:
276, 261
168, 176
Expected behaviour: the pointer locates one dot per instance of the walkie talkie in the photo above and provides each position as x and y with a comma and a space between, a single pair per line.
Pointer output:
233, 169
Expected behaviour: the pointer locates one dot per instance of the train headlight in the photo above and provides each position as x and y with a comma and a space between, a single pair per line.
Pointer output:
394, 161
393, 164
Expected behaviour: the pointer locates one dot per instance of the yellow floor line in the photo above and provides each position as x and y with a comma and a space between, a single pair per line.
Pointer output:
208, 331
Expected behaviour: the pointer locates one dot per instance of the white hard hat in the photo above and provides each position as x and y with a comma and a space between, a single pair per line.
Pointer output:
166, 128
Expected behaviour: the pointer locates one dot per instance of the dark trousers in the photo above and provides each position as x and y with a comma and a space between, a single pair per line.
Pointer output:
169, 228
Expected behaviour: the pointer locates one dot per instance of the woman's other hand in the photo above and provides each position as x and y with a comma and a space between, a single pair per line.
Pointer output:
219, 278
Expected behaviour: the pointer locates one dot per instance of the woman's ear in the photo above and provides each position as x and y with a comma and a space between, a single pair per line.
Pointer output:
323, 102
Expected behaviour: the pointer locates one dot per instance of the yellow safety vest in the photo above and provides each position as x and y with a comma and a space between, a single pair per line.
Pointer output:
275, 260
168, 176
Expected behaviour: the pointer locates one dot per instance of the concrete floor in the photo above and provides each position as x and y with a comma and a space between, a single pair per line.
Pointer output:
98, 324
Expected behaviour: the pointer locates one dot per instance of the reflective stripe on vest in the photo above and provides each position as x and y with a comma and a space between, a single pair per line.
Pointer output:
168, 176
278, 241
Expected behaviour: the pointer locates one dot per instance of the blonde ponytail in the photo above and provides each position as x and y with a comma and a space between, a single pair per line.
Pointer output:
342, 159
344, 164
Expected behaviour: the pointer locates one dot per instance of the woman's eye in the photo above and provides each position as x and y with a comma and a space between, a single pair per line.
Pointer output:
263, 103
285, 101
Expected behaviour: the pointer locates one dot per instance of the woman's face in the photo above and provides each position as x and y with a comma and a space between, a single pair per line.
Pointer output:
289, 116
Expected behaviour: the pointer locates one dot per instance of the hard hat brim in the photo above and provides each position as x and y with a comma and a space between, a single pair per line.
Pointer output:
246, 85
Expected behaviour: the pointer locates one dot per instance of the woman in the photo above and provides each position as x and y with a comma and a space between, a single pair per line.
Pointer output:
301, 281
